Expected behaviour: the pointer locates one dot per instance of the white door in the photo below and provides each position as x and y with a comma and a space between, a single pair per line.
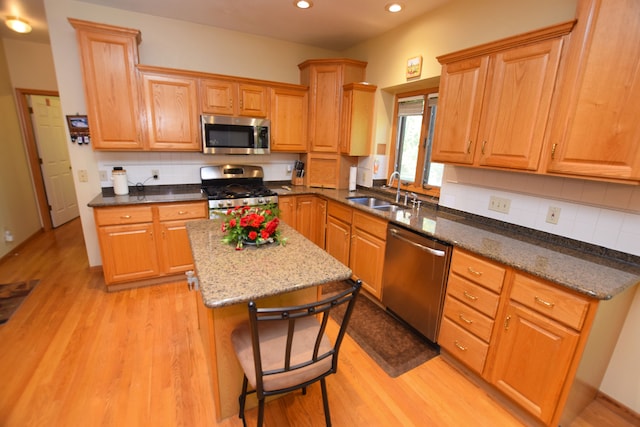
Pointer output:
48, 126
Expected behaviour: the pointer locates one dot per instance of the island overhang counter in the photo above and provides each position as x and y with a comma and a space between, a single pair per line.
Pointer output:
228, 279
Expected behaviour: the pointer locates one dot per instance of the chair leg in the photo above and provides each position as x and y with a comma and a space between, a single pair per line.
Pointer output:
260, 412
242, 399
304, 391
325, 401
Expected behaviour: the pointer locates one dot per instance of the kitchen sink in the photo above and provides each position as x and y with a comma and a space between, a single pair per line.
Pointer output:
371, 202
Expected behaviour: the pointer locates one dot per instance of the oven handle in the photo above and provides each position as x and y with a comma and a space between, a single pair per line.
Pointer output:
436, 252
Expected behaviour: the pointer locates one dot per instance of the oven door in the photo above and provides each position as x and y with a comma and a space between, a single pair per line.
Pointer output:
234, 135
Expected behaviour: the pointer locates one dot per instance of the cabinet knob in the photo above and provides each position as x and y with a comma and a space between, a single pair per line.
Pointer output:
460, 346
506, 322
483, 145
469, 147
553, 151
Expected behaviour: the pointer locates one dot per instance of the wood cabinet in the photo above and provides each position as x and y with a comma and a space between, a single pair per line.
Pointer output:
595, 131
326, 170
356, 126
536, 349
521, 334
145, 242
471, 304
233, 98
289, 117
305, 213
368, 244
495, 101
171, 101
108, 57
338, 234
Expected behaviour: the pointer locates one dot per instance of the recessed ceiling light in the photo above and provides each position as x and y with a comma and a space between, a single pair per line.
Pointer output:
18, 25
303, 4
394, 7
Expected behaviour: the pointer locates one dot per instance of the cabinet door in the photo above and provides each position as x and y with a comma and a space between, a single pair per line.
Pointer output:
338, 239
357, 119
109, 56
304, 216
172, 112
289, 115
217, 96
287, 206
175, 247
461, 92
128, 252
324, 120
532, 360
367, 260
253, 100
320, 222
516, 105
595, 130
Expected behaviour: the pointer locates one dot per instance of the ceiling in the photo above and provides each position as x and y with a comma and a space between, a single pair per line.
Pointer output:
329, 24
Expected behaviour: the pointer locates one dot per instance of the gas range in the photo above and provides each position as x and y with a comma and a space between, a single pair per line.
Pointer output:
228, 186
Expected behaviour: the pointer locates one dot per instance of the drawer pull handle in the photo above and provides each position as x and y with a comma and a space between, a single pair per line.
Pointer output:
544, 303
460, 346
467, 321
469, 296
469, 147
472, 271
183, 212
506, 322
125, 217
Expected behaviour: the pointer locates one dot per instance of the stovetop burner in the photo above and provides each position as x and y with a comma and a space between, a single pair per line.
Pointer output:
228, 186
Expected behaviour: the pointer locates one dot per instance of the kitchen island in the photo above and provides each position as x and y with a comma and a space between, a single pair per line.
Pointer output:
271, 274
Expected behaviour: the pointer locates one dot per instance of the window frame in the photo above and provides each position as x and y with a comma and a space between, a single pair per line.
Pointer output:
416, 186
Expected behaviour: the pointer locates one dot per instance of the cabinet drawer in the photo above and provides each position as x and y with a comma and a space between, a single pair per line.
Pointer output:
473, 295
123, 215
374, 226
176, 211
462, 345
550, 301
468, 318
340, 211
478, 270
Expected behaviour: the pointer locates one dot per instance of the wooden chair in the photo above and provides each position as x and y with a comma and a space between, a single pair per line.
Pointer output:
286, 348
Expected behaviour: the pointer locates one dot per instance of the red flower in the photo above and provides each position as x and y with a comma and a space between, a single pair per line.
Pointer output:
252, 235
232, 222
264, 234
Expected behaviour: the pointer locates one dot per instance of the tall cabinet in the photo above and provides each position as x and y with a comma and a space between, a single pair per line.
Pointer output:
326, 78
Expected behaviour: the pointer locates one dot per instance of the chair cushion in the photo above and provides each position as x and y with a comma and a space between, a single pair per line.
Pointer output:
273, 339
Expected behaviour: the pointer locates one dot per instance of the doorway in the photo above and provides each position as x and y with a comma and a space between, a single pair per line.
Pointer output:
43, 126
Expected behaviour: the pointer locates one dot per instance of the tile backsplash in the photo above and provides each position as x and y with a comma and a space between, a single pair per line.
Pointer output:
600, 213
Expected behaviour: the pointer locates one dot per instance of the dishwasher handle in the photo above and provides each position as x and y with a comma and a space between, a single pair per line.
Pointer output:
436, 252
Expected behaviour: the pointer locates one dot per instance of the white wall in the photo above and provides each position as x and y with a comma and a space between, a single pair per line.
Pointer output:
30, 65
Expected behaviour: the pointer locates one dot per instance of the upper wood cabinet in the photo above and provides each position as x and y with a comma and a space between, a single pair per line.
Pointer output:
356, 127
171, 111
289, 116
232, 98
108, 57
595, 130
495, 100
325, 78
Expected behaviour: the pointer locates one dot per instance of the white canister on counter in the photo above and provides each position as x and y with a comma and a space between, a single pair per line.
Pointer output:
120, 184
353, 176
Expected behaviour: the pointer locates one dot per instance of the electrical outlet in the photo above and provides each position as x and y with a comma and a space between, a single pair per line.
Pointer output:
83, 176
553, 215
155, 173
499, 204
289, 168
103, 176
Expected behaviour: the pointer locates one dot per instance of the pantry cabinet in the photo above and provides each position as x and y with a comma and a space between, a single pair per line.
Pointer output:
595, 131
289, 116
495, 100
171, 101
145, 242
108, 57
233, 98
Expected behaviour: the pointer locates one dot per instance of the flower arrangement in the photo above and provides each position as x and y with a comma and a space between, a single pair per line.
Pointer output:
252, 225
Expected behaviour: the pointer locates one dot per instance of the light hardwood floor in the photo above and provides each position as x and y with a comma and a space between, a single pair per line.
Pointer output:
75, 355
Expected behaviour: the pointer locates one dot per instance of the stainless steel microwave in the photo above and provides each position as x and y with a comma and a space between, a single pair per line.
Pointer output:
235, 135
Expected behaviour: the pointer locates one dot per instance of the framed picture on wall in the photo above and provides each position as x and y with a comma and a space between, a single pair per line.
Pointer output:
414, 67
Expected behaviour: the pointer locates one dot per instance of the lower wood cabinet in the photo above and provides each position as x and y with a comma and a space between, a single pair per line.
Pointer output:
305, 213
145, 242
521, 334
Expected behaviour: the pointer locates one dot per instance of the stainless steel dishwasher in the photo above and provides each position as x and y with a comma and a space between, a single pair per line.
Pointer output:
414, 281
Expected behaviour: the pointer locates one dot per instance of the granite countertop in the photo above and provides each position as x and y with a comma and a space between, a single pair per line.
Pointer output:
594, 271
228, 276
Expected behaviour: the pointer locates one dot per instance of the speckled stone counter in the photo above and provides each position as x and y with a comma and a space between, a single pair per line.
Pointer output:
228, 276
149, 194
594, 271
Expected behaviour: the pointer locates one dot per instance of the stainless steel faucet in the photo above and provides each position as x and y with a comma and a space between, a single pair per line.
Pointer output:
395, 174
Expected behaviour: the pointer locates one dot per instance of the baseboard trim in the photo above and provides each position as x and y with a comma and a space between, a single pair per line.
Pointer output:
623, 411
